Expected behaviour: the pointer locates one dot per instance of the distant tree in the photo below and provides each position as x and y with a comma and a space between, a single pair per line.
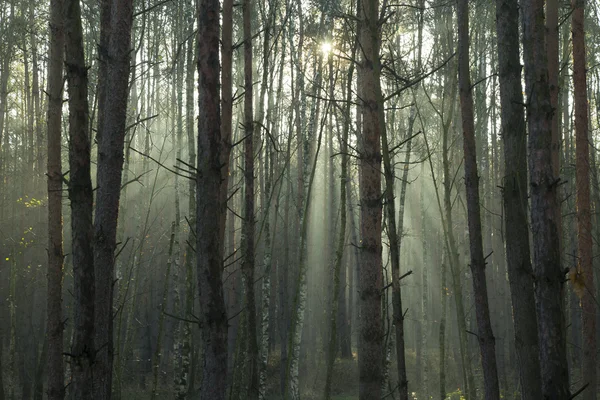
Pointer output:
583, 274
248, 245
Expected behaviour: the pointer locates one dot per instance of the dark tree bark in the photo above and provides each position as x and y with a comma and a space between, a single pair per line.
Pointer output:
544, 205
111, 139
226, 109
518, 258
485, 336
210, 207
553, 70
80, 193
54, 329
248, 222
394, 236
584, 270
2, 395
370, 339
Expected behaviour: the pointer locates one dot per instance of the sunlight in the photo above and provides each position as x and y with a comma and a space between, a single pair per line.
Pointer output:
326, 48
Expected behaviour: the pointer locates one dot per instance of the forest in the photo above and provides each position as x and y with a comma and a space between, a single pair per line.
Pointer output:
299, 199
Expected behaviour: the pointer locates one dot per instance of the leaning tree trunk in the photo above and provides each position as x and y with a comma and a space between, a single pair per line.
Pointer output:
370, 343
54, 329
544, 205
584, 275
111, 139
210, 207
81, 196
518, 259
485, 336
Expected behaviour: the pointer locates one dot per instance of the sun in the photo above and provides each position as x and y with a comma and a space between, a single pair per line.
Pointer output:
326, 47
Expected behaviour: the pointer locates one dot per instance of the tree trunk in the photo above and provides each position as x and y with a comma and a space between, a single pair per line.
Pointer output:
370, 359
394, 236
544, 204
518, 257
112, 116
248, 222
161, 318
338, 285
81, 196
54, 329
583, 277
210, 207
487, 342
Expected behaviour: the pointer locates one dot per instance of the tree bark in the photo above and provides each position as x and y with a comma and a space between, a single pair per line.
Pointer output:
339, 285
210, 206
248, 222
83, 351
370, 343
112, 116
394, 236
584, 275
544, 205
518, 258
485, 336
54, 329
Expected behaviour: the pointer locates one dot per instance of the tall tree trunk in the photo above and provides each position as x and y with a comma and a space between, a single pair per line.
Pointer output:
81, 196
370, 359
226, 111
210, 206
248, 222
394, 236
485, 336
54, 329
112, 116
161, 318
425, 326
338, 285
553, 70
544, 204
2, 394
518, 258
583, 281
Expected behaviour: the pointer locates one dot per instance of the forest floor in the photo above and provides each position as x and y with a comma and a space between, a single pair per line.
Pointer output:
345, 383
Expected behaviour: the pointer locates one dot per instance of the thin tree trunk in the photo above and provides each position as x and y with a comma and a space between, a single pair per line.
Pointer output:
518, 258
54, 328
2, 394
299, 301
161, 318
485, 336
544, 204
226, 110
338, 285
425, 293
81, 196
583, 277
210, 206
248, 222
394, 243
